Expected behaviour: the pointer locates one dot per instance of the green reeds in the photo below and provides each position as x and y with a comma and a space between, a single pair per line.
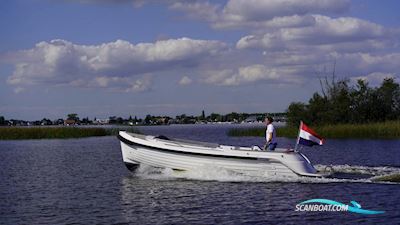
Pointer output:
19, 133
382, 130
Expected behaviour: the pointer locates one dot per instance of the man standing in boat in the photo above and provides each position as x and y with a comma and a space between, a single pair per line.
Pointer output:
270, 134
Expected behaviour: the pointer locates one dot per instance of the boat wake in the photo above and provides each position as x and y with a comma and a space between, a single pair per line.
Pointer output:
342, 174
368, 170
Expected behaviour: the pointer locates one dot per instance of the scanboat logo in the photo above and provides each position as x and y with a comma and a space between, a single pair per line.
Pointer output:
326, 205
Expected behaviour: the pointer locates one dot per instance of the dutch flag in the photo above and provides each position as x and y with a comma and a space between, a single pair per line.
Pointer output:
308, 137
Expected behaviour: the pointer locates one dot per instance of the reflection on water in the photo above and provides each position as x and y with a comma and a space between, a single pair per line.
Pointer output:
84, 181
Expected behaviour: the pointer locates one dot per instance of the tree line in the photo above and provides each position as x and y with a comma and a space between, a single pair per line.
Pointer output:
342, 103
74, 119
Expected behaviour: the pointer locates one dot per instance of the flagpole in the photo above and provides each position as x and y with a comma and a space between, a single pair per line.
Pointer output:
298, 137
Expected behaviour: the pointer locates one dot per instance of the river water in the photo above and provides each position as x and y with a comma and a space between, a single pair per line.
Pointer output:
83, 181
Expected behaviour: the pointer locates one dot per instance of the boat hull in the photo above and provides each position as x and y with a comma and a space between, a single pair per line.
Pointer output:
159, 153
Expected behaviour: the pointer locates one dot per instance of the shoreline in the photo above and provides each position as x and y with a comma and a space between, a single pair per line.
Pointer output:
56, 132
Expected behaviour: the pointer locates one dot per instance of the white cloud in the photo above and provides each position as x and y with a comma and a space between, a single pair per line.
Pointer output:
288, 41
376, 78
256, 14
142, 84
252, 74
18, 90
117, 84
185, 80
60, 62
252, 14
325, 31
367, 63
269, 9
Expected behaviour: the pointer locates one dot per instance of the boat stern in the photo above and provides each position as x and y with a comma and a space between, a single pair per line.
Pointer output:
301, 165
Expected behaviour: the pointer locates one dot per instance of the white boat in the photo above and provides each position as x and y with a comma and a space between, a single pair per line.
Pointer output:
183, 155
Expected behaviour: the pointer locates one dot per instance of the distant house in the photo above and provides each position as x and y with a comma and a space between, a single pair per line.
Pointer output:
45, 122
58, 122
101, 121
69, 122
251, 119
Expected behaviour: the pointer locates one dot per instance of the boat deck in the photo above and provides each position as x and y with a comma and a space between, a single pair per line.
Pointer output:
191, 143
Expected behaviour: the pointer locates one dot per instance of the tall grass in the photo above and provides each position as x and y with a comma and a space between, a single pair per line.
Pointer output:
382, 130
19, 133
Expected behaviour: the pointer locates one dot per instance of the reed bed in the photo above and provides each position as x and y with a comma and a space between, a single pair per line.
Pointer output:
382, 130
20, 133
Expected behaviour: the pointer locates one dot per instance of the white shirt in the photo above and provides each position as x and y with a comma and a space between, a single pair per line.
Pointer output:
271, 130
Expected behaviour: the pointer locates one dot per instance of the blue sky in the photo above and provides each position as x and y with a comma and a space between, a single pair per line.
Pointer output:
130, 57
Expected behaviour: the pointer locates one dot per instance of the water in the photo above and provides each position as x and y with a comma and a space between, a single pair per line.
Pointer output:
84, 181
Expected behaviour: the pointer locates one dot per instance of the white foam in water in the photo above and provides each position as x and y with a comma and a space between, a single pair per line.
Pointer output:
379, 170
223, 175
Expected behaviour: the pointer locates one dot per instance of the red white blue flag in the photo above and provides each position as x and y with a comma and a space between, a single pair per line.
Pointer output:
308, 137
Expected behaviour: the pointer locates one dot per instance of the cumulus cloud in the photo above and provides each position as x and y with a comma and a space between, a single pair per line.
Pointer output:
294, 33
252, 14
275, 13
60, 62
359, 46
375, 78
367, 63
251, 74
268, 9
142, 84
119, 84
18, 90
185, 80
287, 41
326, 30
256, 14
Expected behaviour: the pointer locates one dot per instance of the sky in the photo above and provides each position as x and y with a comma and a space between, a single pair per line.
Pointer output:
101, 58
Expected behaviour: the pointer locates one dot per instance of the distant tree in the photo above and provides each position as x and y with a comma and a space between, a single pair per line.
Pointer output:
203, 115
215, 117
86, 121
2, 120
46, 121
73, 116
363, 100
58, 122
120, 120
112, 119
232, 116
318, 110
389, 96
296, 112
148, 119
341, 103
